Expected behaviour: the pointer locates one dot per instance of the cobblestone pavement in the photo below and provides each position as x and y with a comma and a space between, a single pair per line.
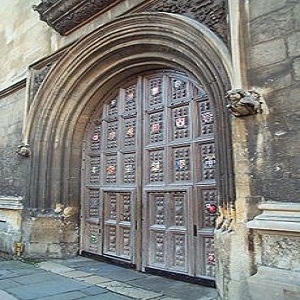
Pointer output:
87, 279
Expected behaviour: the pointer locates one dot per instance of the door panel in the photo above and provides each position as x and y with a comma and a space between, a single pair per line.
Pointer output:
149, 187
118, 219
167, 241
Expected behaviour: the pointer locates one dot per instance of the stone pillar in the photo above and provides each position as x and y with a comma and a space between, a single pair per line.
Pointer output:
10, 223
277, 247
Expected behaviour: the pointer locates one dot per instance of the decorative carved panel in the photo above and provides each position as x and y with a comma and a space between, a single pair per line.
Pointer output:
111, 169
66, 15
117, 224
212, 13
129, 168
154, 92
210, 260
94, 203
179, 249
94, 171
38, 78
179, 208
181, 122
156, 127
208, 161
95, 138
129, 134
130, 99
179, 89
182, 164
156, 171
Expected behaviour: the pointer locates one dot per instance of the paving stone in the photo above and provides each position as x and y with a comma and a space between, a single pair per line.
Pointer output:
107, 270
76, 274
54, 267
107, 296
6, 296
95, 279
93, 290
169, 298
4, 273
35, 278
65, 296
39, 290
175, 289
8, 283
129, 290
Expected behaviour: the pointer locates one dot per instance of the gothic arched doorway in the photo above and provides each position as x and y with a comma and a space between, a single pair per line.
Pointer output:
149, 188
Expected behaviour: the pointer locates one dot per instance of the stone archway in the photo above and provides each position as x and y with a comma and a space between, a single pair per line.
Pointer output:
90, 69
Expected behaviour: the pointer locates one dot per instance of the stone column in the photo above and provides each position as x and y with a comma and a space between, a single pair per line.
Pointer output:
277, 247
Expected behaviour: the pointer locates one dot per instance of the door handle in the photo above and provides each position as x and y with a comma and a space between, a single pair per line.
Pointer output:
195, 230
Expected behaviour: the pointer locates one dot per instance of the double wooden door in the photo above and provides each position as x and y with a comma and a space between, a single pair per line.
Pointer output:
149, 191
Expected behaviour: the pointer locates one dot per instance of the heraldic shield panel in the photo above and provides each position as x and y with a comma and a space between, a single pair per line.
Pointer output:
149, 190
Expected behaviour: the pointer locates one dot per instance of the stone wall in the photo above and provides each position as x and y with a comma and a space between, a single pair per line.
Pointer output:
25, 39
14, 169
273, 60
50, 233
273, 69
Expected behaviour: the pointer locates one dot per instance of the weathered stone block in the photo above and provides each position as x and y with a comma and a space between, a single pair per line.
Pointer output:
10, 223
296, 15
274, 284
55, 250
36, 248
71, 234
267, 53
296, 66
272, 26
281, 252
259, 8
293, 44
276, 76
46, 230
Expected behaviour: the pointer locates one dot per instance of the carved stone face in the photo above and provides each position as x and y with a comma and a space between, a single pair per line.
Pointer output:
23, 151
233, 96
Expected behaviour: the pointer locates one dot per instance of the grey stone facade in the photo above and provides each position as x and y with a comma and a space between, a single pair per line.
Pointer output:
273, 58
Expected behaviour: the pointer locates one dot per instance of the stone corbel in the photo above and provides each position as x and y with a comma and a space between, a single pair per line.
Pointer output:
242, 103
23, 150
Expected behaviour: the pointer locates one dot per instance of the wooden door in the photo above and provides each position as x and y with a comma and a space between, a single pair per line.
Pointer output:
149, 189
111, 166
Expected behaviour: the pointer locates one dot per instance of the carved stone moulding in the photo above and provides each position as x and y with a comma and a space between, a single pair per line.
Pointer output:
212, 13
66, 15
39, 71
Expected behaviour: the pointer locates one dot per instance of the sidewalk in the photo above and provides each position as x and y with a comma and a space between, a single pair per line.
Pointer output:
87, 279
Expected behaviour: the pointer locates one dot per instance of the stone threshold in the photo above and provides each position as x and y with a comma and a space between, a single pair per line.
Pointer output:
111, 285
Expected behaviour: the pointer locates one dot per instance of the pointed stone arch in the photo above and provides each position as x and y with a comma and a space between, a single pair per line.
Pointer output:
90, 68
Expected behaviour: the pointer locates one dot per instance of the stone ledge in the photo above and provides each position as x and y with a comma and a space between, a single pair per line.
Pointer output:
9, 202
277, 217
65, 16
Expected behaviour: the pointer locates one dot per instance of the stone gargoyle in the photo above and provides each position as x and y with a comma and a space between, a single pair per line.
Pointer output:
23, 150
242, 103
